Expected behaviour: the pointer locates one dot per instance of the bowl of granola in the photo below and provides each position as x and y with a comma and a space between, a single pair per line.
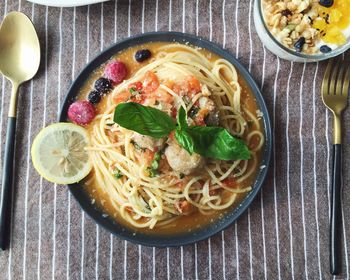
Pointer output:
303, 30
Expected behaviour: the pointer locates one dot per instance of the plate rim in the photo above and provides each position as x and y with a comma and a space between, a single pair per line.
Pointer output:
67, 3
174, 240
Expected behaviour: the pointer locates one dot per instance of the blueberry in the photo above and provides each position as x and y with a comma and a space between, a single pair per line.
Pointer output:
94, 97
299, 44
142, 55
325, 49
103, 85
326, 3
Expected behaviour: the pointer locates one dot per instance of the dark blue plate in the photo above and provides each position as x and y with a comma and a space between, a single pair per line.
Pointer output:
175, 239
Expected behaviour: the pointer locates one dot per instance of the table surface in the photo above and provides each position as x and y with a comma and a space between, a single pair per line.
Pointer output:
283, 235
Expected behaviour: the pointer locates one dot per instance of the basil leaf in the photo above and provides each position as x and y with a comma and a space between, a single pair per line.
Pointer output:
185, 140
217, 142
214, 142
144, 120
182, 118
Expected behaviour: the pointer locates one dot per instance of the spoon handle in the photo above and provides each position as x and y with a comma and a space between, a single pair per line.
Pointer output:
7, 183
8, 172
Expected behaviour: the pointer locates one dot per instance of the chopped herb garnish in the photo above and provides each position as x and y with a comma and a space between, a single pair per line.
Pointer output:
117, 174
134, 91
153, 169
182, 175
152, 172
157, 156
155, 164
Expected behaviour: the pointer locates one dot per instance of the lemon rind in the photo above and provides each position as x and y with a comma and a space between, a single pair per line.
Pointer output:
35, 155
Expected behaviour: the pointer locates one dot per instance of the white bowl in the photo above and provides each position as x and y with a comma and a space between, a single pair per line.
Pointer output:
273, 45
66, 3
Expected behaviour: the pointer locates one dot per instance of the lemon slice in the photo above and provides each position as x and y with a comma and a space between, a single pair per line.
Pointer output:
58, 153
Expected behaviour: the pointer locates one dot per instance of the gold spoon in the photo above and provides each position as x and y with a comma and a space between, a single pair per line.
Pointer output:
19, 62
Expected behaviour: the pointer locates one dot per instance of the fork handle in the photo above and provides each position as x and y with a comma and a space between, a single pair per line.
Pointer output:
336, 214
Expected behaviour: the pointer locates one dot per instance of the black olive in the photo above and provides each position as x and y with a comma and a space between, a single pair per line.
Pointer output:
326, 3
142, 55
299, 44
103, 85
325, 49
94, 97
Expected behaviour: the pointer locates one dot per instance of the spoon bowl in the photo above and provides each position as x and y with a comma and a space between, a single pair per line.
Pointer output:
19, 62
19, 48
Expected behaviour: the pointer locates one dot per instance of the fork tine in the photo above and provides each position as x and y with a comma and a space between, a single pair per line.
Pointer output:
325, 81
346, 81
332, 89
340, 80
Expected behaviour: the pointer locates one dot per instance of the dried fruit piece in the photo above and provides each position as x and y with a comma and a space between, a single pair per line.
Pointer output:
334, 35
286, 13
319, 24
299, 44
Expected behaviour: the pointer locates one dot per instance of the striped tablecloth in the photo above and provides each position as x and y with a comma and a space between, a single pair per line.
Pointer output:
283, 235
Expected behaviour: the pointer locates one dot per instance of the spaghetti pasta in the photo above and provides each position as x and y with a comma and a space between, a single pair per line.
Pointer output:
146, 201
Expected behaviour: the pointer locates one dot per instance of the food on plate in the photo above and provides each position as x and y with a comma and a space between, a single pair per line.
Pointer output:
81, 112
59, 155
142, 55
308, 26
103, 85
116, 71
176, 142
94, 97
